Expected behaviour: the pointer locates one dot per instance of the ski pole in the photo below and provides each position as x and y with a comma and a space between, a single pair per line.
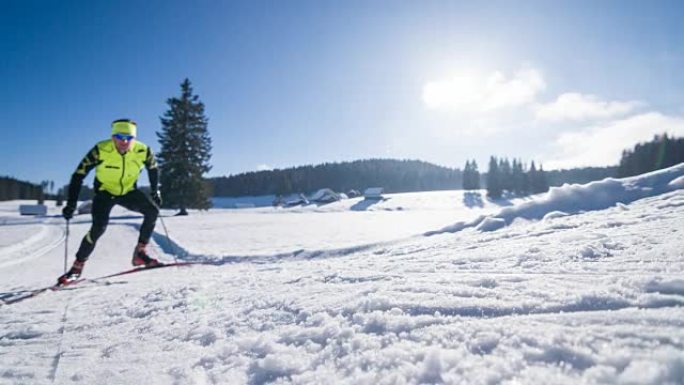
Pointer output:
166, 231
66, 246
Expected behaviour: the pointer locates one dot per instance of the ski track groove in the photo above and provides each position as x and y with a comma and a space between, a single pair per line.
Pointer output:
58, 356
40, 252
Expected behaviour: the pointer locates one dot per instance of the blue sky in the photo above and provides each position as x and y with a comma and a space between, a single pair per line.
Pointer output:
288, 83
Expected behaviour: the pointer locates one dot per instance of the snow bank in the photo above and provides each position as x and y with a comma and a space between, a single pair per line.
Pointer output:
574, 199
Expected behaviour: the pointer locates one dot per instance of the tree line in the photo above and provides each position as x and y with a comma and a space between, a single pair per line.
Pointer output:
502, 177
11, 189
391, 174
661, 152
515, 178
530, 180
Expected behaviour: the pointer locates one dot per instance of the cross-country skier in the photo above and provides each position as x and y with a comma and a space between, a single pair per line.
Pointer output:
118, 163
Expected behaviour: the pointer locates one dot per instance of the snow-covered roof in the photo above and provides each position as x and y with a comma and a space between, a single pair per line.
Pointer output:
373, 192
324, 194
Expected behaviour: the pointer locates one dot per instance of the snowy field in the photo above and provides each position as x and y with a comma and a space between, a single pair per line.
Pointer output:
583, 285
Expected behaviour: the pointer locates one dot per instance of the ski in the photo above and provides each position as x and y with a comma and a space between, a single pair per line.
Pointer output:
32, 293
159, 266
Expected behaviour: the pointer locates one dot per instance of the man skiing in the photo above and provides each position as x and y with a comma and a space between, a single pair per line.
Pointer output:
118, 163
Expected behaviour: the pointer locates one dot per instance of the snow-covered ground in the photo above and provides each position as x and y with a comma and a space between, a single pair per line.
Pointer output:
583, 285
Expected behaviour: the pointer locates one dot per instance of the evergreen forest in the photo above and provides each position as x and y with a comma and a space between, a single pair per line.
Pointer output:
393, 175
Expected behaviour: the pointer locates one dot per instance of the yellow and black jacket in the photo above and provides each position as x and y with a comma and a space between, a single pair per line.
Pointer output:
115, 173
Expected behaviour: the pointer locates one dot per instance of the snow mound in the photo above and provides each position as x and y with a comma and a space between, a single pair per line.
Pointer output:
490, 224
677, 183
575, 199
674, 286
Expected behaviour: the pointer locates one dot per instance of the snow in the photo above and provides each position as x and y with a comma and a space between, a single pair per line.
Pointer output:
583, 285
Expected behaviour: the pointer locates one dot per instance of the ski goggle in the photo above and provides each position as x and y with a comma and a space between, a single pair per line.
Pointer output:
123, 137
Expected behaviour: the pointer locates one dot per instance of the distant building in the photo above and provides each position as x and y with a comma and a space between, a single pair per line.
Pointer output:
39, 209
299, 200
325, 195
373, 193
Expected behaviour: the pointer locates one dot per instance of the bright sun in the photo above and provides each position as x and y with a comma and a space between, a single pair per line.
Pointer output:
479, 92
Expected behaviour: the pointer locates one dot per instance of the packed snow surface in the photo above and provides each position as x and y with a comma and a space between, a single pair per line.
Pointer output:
582, 285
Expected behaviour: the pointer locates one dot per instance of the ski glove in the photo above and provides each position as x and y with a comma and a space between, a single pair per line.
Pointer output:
156, 198
68, 211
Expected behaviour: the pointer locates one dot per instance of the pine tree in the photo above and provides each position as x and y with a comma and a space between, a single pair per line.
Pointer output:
533, 179
538, 180
467, 176
525, 180
543, 180
475, 174
471, 176
494, 188
185, 152
505, 175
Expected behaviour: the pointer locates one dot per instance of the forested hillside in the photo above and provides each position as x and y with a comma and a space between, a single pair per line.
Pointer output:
392, 175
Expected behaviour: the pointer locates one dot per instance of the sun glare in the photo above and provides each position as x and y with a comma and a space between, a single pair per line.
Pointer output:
478, 92
460, 92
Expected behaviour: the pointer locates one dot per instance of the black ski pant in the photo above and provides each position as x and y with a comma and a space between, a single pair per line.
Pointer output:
103, 202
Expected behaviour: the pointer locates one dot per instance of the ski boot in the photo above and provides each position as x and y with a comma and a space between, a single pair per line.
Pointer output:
141, 258
72, 274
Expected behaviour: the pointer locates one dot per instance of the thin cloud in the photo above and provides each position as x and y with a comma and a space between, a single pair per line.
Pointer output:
475, 93
576, 107
264, 167
602, 145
